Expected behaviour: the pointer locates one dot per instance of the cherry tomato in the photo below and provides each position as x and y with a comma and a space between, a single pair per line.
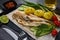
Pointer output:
54, 32
54, 18
57, 23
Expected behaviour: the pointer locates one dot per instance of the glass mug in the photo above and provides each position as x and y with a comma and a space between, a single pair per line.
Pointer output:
51, 4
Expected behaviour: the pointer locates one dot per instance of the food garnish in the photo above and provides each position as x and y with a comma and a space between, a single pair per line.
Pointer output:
4, 19
29, 10
39, 13
54, 18
54, 32
42, 29
22, 7
57, 23
48, 15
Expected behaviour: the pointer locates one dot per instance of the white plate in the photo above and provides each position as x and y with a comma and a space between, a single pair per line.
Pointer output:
46, 37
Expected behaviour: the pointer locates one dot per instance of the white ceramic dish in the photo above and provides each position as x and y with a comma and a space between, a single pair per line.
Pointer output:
46, 37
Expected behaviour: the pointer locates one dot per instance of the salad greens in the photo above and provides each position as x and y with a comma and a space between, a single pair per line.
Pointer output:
42, 29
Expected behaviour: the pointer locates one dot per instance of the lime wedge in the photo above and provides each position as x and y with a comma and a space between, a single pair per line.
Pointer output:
4, 19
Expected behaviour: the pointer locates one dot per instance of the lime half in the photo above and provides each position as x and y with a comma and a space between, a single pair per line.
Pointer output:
4, 19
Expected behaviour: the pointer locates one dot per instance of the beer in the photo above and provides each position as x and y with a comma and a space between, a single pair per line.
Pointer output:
51, 3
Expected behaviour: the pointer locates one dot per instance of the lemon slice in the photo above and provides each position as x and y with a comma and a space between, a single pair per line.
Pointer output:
48, 15
4, 19
39, 13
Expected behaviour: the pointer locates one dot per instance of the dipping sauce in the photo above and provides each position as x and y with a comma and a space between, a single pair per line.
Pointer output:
10, 4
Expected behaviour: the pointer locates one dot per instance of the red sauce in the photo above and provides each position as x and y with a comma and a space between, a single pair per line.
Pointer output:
9, 5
